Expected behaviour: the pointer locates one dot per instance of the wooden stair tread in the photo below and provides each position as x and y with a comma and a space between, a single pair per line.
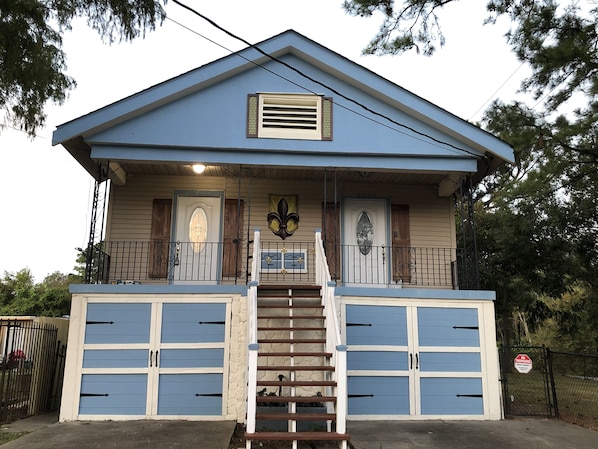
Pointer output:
286, 306
294, 354
298, 399
289, 317
295, 368
298, 436
292, 340
296, 383
296, 416
298, 329
296, 287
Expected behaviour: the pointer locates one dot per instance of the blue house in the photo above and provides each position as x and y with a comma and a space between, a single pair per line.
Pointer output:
275, 233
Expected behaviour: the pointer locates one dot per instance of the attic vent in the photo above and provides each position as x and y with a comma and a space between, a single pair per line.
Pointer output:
286, 116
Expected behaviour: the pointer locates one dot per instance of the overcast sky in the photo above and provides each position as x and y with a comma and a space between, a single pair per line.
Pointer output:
45, 195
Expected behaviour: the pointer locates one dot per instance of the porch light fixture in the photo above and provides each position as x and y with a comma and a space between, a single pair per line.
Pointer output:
198, 168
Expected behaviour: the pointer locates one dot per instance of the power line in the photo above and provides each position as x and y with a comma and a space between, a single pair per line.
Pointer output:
293, 82
299, 72
496, 91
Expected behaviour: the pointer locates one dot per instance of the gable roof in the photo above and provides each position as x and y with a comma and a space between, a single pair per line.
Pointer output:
378, 124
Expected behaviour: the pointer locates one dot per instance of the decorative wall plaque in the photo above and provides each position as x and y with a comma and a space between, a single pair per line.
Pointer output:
283, 219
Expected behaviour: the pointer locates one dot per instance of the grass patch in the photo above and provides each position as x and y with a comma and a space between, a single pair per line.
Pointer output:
577, 397
6, 437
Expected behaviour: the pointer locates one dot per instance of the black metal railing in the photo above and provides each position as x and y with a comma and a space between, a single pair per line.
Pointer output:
280, 261
130, 262
400, 266
27, 368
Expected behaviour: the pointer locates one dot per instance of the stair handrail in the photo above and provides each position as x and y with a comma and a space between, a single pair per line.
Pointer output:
333, 332
252, 334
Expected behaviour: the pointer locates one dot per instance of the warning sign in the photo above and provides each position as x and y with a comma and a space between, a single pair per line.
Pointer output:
523, 363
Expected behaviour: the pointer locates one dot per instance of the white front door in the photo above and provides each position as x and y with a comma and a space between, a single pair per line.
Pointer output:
366, 252
197, 235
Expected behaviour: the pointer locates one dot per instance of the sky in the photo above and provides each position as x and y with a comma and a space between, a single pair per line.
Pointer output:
45, 196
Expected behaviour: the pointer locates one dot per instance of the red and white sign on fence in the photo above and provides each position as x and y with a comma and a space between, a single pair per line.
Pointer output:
523, 363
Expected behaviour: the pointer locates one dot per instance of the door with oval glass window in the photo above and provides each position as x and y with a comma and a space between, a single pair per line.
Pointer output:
197, 239
365, 242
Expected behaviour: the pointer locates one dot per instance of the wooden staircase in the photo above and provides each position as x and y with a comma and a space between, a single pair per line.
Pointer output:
295, 379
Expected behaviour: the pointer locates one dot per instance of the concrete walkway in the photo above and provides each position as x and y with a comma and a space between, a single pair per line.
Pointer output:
507, 434
46, 433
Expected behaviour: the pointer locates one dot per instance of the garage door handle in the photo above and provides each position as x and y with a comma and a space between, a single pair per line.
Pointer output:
151, 355
410, 361
416, 361
157, 352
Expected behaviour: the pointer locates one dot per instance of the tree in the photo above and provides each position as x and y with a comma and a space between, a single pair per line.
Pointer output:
33, 63
559, 44
20, 295
537, 219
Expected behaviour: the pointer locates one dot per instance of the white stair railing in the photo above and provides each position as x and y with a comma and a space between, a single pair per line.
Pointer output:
252, 337
333, 335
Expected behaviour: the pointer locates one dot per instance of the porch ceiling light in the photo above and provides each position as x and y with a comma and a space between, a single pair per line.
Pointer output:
198, 168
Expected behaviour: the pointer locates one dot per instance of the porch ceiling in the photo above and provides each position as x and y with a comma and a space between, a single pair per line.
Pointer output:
305, 174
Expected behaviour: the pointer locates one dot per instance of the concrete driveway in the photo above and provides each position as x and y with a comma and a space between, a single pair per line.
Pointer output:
45, 433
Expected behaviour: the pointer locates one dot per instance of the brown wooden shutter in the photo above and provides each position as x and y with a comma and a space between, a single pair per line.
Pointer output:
331, 235
233, 228
401, 243
160, 238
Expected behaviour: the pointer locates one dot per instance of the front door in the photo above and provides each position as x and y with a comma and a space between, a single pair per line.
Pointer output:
366, 250
197, 235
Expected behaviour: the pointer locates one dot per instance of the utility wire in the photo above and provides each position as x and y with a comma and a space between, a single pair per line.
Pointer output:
313, 80
297, 84
496, 91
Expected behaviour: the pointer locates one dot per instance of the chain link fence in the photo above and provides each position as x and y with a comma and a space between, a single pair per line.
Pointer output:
576, 387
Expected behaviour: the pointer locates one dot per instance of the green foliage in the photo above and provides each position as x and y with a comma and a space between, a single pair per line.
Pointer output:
21, 296
413, 25
33, 63
572, 322
558, 43
536, 219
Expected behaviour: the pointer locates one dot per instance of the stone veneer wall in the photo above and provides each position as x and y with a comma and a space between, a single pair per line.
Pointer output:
237, 380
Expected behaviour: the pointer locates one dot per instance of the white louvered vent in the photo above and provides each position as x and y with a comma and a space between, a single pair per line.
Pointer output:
290, 116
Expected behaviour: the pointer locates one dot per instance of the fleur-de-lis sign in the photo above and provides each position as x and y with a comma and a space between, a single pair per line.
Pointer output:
283, 223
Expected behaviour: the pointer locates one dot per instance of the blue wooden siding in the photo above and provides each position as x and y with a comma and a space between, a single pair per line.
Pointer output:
467, 362
193, 323
192, 358
376, 325
117, 323
376, 395
448, 327
113, 394
377, 360
451, 396
190, 394
115, 358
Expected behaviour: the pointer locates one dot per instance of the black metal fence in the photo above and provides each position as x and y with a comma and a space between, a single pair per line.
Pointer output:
28, 369
553, 384
527, 393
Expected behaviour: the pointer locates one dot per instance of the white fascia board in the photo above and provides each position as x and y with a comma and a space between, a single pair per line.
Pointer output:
400, 98
288, 159
151, 98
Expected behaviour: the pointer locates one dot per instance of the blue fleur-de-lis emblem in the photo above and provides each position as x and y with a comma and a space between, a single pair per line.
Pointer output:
283, 223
